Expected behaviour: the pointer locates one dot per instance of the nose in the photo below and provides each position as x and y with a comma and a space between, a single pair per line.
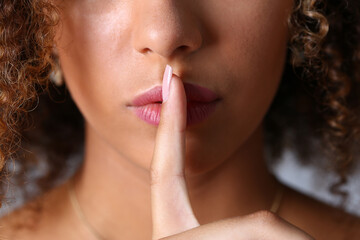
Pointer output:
166, 28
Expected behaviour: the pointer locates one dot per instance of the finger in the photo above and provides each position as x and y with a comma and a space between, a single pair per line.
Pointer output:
261, 225
171, 209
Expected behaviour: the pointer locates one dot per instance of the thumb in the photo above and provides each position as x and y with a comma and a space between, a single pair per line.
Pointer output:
171, 209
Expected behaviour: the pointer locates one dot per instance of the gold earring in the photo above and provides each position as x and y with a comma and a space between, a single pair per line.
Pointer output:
56, 75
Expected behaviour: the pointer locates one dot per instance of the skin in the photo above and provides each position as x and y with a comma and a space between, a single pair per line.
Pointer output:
110, 51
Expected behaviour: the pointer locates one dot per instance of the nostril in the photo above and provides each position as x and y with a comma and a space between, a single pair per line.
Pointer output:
183, 48
146, 50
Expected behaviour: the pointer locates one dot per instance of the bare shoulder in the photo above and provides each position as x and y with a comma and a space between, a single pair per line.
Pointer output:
32, 220
21, 222
320, 220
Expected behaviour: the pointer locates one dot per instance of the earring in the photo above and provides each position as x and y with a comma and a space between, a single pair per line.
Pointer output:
56, 75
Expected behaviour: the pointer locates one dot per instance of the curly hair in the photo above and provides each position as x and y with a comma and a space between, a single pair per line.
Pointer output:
325, 46
26, 42
316, 100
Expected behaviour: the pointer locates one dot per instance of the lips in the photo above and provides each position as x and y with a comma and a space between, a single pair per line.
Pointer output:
201, 102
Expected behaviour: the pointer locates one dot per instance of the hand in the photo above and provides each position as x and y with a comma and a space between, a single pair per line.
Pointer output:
172, 214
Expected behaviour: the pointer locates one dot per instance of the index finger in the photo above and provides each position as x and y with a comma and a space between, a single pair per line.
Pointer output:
171, 209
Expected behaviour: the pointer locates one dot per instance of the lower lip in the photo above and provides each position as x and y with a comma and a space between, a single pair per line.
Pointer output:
196, 112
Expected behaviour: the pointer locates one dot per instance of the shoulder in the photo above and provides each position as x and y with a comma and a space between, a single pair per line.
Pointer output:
21, 222
320, 220
33, 219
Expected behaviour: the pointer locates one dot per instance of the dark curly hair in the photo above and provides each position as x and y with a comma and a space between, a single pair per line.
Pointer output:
316, 100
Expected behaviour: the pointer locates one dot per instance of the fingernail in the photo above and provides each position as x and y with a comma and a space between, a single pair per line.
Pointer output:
166, 83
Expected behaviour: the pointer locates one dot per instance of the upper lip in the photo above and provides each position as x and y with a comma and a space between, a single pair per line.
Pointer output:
194, 93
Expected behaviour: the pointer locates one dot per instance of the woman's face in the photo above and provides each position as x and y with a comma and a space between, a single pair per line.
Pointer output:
112, 50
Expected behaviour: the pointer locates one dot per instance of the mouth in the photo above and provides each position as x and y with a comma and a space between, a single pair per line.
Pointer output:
201, 102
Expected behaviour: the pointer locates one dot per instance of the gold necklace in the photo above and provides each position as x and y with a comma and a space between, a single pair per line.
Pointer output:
275, 205
76, 206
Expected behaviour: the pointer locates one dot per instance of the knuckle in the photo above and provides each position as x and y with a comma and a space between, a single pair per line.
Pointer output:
270, 221
305, 237
265, 217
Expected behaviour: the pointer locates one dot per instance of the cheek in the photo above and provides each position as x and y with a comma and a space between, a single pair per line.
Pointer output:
256, 53
93, 47
95, 57
249, 64
92, 44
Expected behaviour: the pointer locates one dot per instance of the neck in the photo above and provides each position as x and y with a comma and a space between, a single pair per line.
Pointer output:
114, 193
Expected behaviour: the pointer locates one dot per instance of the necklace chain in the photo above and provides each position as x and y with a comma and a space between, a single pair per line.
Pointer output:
275, 205
76, 206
